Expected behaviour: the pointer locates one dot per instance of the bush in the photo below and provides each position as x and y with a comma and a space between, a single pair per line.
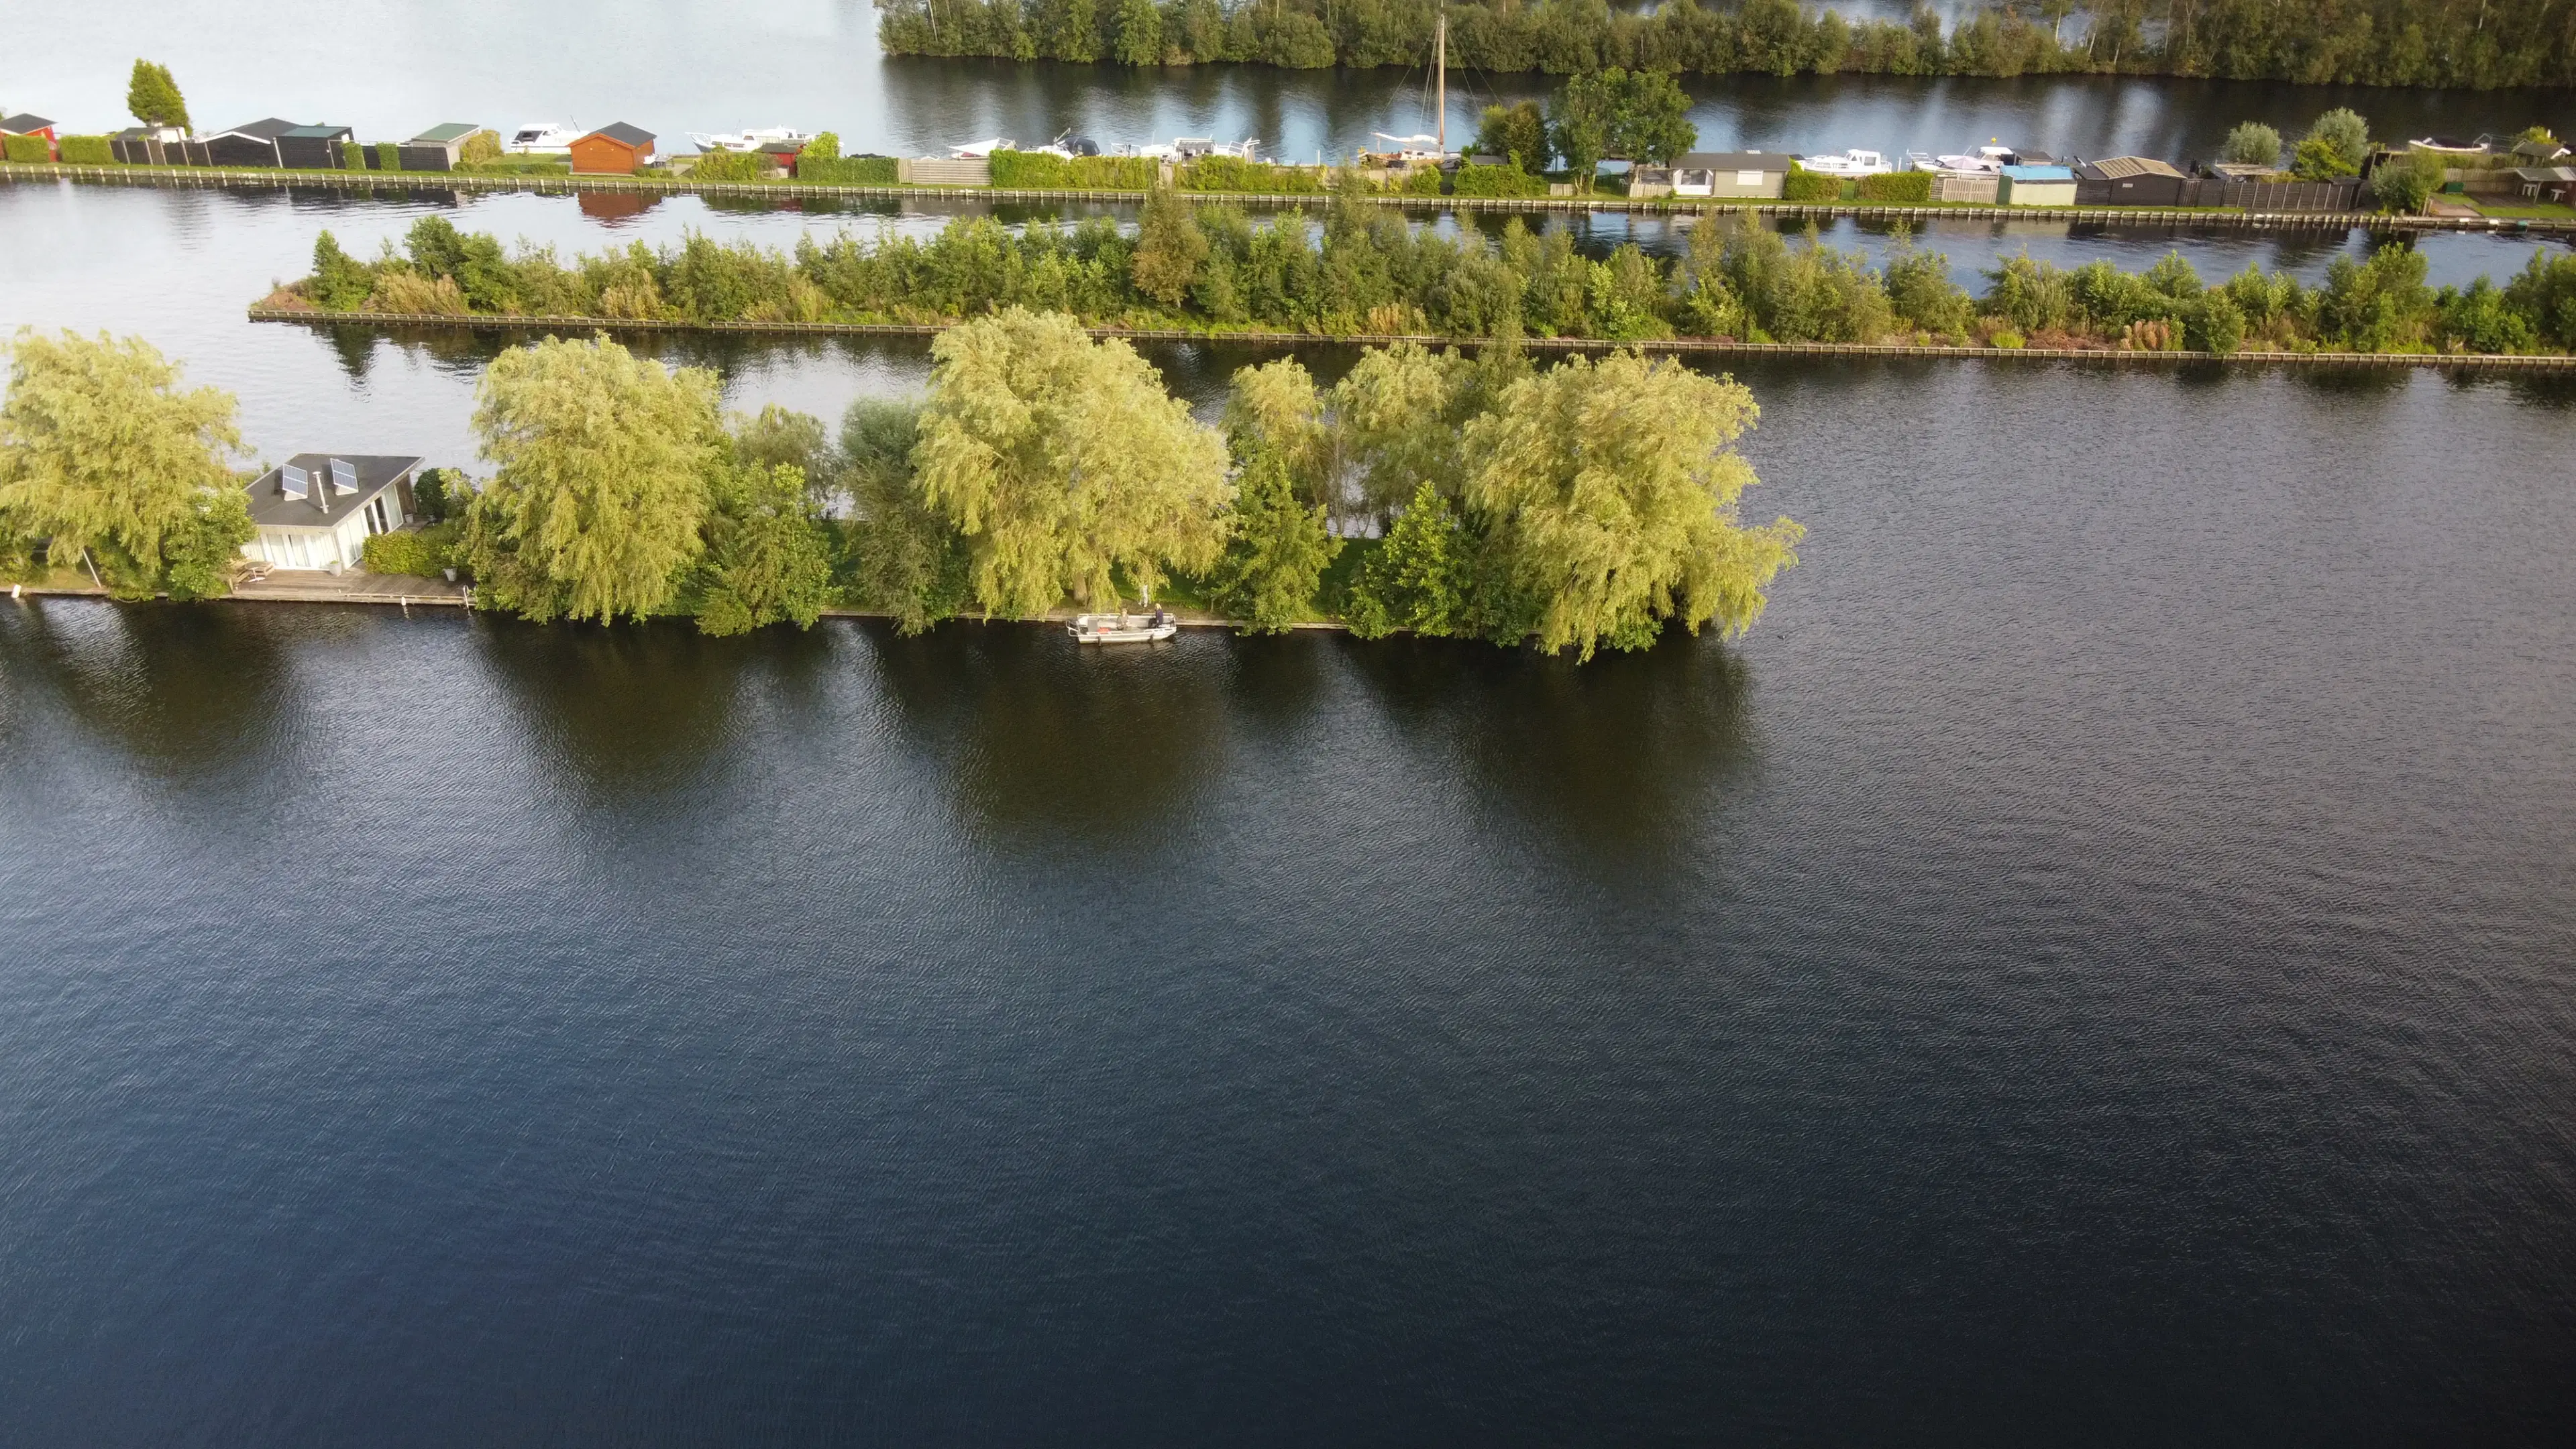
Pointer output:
847, 171
483, 145
2253, 144
422, 553
26, 148
730, 166
1808, 186
1037, 170
388, 156
1898, 188
1498, 181
1233, 173
353, 156
88, 151
1420, 181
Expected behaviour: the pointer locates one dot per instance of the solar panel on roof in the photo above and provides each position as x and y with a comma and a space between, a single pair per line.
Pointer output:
344, 479
293, 481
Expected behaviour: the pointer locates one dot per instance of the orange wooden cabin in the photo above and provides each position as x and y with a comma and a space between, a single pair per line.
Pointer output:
613, 150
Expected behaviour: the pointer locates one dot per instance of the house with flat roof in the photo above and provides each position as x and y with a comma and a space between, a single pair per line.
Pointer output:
1730, 173
440, 148
317, 510
2036, 186
313, 148
617, 149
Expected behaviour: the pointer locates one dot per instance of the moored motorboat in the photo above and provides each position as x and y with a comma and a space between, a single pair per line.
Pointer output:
1848, 163
756, 140
1123, 627
533, 137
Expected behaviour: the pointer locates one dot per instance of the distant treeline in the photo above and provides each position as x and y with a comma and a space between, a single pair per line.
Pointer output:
2352, 42
1365, 270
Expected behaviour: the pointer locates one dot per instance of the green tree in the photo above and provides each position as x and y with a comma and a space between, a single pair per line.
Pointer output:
1579, 120
2345, 134
902, 555
1394, 421
1417, 578
1274, 409
103, 458
601, 497
766, 562
341, 283
1651, 124
778, 437
1140, 33
1516, 131
1611, 489
1276, 551
2252, 144
1170, 248
1919, 289
2402, 184
1064, 463
153, 97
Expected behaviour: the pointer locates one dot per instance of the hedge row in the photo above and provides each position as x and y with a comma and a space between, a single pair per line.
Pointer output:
1497, 181
847, 170
1233, 173
1092, 173
25, 148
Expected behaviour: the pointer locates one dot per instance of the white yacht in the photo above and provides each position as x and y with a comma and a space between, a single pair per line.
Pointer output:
982, 150
1849, 163
1190, 148
532, 137
1123, 627
750, 140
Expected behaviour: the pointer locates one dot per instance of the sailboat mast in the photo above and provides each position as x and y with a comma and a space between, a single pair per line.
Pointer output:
1442, 70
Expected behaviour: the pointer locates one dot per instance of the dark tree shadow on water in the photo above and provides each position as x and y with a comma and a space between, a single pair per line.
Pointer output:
632, 710
1619, 765
191, 692
1048, 744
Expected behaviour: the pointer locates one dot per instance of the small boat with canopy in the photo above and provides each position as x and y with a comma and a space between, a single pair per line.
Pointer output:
1124, 627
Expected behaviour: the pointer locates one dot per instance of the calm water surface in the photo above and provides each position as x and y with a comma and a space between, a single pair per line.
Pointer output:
2092, 965
392, 68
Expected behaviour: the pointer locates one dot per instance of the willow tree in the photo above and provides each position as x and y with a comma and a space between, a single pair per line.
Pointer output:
604, 464
1274, 408
1064, 463
1610, 490
117, 471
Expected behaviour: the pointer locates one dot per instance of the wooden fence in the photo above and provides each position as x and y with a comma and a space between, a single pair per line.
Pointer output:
1675, 345
789, 190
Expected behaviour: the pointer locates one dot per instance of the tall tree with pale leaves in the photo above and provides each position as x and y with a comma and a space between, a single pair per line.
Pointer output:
1065, 464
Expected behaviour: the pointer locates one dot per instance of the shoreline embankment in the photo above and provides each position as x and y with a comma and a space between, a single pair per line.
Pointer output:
1684, 346
2172, 217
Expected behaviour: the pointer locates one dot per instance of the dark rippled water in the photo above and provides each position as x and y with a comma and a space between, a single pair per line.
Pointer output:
2094, 965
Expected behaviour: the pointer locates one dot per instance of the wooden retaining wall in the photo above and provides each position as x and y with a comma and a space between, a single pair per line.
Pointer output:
1676, 345
213, 176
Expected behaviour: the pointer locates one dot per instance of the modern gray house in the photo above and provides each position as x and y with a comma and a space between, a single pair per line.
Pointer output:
317, 510
253, 143
440, 148
313, 148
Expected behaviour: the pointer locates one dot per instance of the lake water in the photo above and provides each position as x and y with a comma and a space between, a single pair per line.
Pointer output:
2092, 965
392, 68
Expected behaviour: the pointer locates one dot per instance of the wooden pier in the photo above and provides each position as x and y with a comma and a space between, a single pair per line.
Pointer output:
458, 181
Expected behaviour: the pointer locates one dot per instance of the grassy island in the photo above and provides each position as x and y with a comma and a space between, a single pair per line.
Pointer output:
1367, 271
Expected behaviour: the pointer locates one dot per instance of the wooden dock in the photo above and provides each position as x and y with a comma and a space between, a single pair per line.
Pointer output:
1688, 346
456, 181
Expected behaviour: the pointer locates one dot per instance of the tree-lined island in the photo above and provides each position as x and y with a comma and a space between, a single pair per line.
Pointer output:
1575, 507
1367, 271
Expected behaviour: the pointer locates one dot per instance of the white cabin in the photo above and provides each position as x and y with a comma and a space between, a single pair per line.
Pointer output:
317, 510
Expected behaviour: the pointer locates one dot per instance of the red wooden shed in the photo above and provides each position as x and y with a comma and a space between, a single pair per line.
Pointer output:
613, 150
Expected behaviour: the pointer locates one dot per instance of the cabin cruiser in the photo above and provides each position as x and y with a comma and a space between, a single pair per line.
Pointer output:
1848, 163
1123, 627
982, 150
1992, 158
763, 140
1191, 148
533, 137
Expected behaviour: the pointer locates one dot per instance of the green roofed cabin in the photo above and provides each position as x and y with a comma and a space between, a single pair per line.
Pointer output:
440, 148
317, 510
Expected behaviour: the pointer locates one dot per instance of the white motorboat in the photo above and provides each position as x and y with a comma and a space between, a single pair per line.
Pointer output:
982, 150
1991, 157
1920, 161
1123, 628
1849, 163
759, 140
532, 137
1190, 148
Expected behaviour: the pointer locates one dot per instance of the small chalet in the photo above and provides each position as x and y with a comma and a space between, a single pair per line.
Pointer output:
1730, 173
150, 146
440, 148
613, 150
2129, 181
250, 144
317, 510
314, 148
33, 125
2036, 186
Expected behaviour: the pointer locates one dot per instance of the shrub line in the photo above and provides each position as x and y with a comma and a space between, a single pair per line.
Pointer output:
1864, 211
